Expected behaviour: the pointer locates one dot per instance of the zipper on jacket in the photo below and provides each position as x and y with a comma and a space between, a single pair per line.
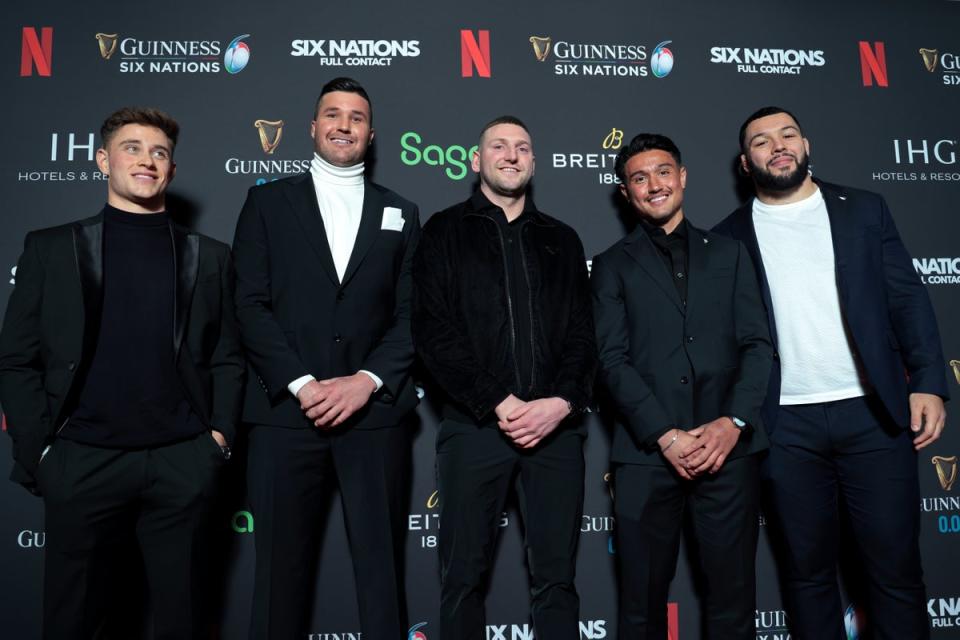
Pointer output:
506, 275
533, 346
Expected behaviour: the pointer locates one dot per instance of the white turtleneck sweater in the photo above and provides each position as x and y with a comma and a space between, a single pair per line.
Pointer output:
817, 358
340, 198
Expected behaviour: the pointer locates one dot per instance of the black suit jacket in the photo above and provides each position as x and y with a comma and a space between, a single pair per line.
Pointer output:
297, 318
884, 304
669, 364
53, 317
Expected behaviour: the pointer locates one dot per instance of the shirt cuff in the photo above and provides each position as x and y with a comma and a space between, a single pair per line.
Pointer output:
295, 386
376, 379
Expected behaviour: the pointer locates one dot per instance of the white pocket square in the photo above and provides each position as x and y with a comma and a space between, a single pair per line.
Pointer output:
392, 219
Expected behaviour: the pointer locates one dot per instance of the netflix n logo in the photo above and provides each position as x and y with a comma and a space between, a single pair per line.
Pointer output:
36, 52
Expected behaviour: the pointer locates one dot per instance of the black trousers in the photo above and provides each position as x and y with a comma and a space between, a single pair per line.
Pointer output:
649, 504
289, 472
846, 453
95, 499
475, 469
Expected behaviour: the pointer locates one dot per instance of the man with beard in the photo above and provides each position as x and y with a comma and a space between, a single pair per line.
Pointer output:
323, 299
685, 353
502, 323
857, 387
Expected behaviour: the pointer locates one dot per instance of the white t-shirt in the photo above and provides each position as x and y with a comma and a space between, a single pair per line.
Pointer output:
817, 355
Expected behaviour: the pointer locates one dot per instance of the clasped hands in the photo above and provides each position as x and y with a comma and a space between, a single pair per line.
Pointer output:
528, 423
701, 450
328, 403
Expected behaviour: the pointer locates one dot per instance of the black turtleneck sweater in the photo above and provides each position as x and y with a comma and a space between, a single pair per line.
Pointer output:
131, 395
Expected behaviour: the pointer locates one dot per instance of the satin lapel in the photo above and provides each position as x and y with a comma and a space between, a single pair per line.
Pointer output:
641, 249
186, 256
697, 247
88, 247
841, 233
371, 218
303, 199
747, 234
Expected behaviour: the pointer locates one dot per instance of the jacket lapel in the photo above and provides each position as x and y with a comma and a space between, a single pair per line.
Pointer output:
303, 199
186, 256
640, 248
88, 246
744, 231
841, 233
697, 248
370, 220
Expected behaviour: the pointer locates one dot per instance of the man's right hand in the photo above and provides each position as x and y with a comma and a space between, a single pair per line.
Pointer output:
510, 404
310, 395
672, 452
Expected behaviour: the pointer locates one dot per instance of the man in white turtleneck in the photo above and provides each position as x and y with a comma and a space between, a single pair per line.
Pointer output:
323, 297
858, 384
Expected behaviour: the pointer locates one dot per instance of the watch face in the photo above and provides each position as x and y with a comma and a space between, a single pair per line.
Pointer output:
740, 424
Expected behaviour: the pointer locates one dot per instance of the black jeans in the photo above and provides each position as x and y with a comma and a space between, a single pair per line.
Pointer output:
476, 467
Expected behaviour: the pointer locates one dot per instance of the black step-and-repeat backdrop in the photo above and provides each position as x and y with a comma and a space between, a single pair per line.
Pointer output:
875, 85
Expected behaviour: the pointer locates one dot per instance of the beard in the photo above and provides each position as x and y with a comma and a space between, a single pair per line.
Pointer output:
780, 181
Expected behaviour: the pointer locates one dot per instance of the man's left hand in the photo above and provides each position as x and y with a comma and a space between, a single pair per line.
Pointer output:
927, 418
218, 437
342, 398
715, 440
534, 421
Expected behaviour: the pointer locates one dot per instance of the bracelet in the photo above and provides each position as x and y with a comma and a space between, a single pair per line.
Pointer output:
676, 434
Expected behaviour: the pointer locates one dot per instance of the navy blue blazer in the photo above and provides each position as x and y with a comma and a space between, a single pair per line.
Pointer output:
883, 301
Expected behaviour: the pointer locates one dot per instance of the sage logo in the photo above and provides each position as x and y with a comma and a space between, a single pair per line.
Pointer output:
242, 522
455, 159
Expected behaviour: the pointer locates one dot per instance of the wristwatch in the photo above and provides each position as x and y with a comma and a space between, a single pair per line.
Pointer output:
738, 423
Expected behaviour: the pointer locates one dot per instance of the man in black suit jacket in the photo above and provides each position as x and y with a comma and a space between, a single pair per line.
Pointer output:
323, 298
120, 417
685, 355
859, 382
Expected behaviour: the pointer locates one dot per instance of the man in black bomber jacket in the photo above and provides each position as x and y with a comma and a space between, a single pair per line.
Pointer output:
502, 322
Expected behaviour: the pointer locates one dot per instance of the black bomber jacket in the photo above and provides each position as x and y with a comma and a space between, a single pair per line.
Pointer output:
463, 319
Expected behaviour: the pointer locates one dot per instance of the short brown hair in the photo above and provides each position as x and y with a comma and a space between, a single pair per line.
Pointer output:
507, 119
147, 116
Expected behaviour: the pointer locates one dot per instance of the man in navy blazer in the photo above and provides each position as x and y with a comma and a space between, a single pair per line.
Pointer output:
858, 383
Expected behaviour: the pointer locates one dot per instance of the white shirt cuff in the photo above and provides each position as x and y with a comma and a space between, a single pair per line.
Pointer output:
376, 379
295, 386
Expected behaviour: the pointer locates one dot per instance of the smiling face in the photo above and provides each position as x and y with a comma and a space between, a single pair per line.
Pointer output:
139, 162
776, 155
341, 130
654, 187
504, 159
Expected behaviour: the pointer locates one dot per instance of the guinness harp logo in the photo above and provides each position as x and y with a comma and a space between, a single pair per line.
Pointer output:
541, 47
946, 470
108, 44
955, 364
270, 134
929, 59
